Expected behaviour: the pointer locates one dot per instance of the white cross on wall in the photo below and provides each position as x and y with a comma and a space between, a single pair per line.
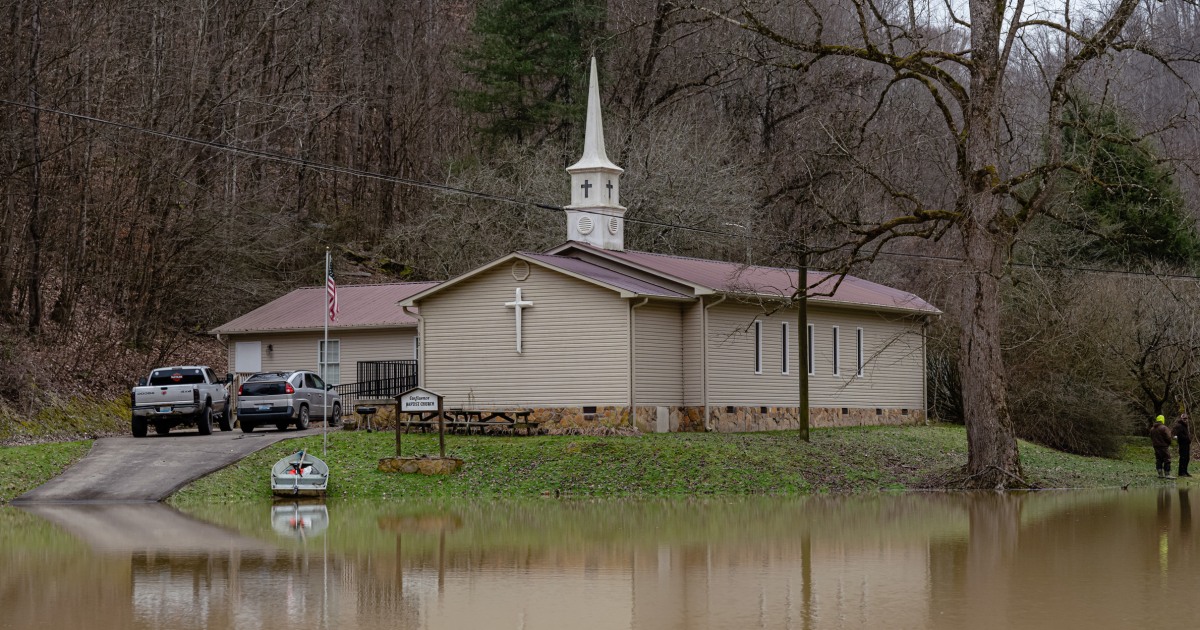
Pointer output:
517, 305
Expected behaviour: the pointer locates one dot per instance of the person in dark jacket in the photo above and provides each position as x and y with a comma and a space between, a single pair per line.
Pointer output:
1160, 439
1183, 434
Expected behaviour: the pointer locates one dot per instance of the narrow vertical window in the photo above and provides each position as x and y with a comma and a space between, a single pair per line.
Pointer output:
859, 336
836, 351
812, 364
329, 361
784, 350
757, 347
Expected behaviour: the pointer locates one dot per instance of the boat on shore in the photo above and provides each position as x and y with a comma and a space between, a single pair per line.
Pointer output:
299, 475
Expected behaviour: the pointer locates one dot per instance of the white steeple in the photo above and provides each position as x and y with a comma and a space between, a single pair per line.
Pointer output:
595, 215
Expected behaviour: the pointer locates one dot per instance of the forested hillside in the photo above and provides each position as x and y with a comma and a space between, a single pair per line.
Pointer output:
217, 148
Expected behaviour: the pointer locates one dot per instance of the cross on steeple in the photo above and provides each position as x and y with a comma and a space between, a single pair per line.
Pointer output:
587, 186
609, 187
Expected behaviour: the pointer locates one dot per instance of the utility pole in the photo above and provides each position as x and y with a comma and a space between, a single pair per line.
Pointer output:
802, 332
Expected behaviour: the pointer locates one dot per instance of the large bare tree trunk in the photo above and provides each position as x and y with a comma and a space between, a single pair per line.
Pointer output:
992, 457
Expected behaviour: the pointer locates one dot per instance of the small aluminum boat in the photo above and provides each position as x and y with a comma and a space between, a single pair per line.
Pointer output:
299, 475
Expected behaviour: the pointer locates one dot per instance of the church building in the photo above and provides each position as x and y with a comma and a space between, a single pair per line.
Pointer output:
591, 333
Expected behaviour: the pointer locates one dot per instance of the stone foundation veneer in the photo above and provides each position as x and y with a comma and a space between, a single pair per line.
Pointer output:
774, 418
549, 417
552, 418
691, 419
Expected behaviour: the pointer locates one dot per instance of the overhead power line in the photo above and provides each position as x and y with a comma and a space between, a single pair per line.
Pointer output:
444, 188
343, 170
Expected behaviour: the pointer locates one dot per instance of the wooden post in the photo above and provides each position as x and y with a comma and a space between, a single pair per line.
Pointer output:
441, 430
397, 425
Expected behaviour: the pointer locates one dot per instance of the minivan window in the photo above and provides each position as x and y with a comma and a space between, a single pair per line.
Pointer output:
192, 376
315, 382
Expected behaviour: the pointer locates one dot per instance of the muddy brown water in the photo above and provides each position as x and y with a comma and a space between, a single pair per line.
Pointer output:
1061, 560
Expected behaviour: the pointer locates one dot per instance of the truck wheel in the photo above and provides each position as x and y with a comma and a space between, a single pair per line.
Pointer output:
226, 421
161, 427
247, 427
139, 427
302, 420
204, 421
335, 420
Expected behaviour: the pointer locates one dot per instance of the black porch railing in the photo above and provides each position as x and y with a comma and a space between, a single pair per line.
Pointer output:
379, 379
387, 378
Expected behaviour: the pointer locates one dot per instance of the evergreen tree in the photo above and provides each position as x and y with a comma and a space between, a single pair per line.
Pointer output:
1123, 197
529, 63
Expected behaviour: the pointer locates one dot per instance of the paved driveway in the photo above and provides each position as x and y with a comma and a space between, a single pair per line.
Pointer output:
149, 469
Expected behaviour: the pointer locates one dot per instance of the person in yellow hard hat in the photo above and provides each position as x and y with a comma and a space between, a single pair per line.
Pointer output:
1160, 439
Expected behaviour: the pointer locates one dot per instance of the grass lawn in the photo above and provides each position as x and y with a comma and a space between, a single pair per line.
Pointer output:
863, 459
860, 459
23, 468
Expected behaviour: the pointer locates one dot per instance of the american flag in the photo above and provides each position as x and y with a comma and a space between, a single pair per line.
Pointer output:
331, 292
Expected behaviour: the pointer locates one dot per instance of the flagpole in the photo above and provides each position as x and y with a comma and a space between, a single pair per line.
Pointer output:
325, 364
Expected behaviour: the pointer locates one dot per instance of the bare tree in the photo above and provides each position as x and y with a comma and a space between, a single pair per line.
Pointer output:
993, 190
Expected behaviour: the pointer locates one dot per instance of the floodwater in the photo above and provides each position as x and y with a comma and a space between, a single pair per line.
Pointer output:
1061, 560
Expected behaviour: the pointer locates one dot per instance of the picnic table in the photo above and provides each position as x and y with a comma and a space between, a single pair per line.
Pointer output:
468, 420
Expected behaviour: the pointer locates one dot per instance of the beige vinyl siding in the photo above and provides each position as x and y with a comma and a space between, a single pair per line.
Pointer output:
298, 351
893, 374
693, 353
659, 352
575, 342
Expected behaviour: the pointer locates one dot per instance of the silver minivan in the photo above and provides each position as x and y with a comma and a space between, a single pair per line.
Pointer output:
286, 398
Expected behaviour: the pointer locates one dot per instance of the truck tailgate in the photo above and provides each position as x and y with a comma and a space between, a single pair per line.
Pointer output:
164, 395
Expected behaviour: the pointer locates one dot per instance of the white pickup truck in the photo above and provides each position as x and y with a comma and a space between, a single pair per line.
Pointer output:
173, 396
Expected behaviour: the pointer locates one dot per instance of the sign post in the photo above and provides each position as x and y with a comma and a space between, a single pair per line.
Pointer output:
417, 400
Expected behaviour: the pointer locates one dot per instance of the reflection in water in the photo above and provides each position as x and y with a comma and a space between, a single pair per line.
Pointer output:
1045, 560
299, 520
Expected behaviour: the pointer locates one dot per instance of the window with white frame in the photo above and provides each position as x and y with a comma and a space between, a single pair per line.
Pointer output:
837, 333
812, 364
859, 338
329, 363
784, 350
757, 347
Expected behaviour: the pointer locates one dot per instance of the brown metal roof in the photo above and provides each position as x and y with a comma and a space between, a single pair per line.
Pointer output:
727, 277
611, 277
360, 306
